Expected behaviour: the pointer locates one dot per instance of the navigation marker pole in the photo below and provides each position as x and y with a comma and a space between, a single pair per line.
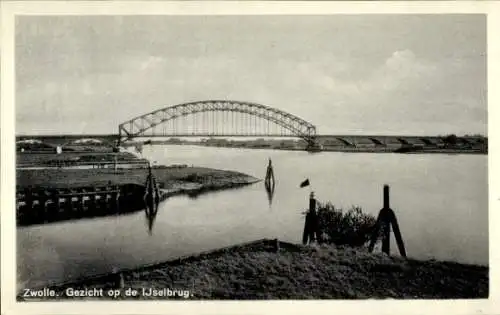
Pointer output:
385, 219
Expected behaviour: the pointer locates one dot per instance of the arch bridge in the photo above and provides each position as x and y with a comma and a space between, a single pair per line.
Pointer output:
217, 118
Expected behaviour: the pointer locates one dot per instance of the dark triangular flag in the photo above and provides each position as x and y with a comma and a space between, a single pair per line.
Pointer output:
304, 183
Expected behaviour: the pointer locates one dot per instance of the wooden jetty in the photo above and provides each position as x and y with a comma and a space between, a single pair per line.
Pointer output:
44, 205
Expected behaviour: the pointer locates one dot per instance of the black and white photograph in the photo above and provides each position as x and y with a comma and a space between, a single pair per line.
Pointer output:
250, 157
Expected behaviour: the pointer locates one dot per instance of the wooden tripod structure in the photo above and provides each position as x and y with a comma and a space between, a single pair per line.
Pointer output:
270, 181
386, 219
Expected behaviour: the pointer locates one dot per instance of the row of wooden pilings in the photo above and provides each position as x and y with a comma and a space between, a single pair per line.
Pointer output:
43, 205
385, 220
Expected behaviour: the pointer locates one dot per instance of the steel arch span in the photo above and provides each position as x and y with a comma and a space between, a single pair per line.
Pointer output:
285, 124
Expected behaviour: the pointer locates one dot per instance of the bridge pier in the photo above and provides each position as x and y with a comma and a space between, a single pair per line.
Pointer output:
313, 145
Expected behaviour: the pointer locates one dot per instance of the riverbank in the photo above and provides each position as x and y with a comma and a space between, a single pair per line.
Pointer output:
65, 159
267, 269
173, 180
47, 194
343, 149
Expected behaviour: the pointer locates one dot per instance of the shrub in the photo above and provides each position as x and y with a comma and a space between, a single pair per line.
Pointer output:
351, 228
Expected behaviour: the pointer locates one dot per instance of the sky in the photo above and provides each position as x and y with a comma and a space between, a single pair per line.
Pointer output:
346, 74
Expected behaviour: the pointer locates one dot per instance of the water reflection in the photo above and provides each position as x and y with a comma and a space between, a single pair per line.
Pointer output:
151, 210
151, 199
270, 192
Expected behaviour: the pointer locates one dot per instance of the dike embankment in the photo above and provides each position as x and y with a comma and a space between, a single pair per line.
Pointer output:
271, 269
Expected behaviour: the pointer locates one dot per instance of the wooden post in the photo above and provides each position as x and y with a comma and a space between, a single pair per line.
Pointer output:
97, 199
305, 234
117, 201
150, 183
79, 204
315, 219
276, 245
119, 279
57, 200
386, 197
385, 220
69, 200
157, 192
386, 238
29, 199
82, 201
386, 241
92, 200
42, 199
102, 200
397, 234
108, 196
19, 213
311, 232
51, 204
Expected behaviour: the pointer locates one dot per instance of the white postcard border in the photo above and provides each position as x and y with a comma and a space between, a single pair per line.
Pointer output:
8, 230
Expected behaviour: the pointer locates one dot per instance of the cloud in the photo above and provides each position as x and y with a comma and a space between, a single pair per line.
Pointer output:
403, 91
402, 61
402, 69
337, 95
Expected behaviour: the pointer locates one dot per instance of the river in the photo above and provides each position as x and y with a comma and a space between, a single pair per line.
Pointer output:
441, 202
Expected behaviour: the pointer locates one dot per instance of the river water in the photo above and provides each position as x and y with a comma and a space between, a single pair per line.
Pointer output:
441, 202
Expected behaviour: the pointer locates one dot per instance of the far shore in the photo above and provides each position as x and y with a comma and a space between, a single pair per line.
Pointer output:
451, 144
397, 149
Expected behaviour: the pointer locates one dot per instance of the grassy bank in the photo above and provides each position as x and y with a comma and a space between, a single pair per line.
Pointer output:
50, 182
169, 178
259, 271
71, 158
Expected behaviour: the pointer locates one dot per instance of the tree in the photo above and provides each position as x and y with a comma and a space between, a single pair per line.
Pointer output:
451, 139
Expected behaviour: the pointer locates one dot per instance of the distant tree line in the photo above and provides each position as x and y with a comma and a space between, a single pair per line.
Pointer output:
453, 139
